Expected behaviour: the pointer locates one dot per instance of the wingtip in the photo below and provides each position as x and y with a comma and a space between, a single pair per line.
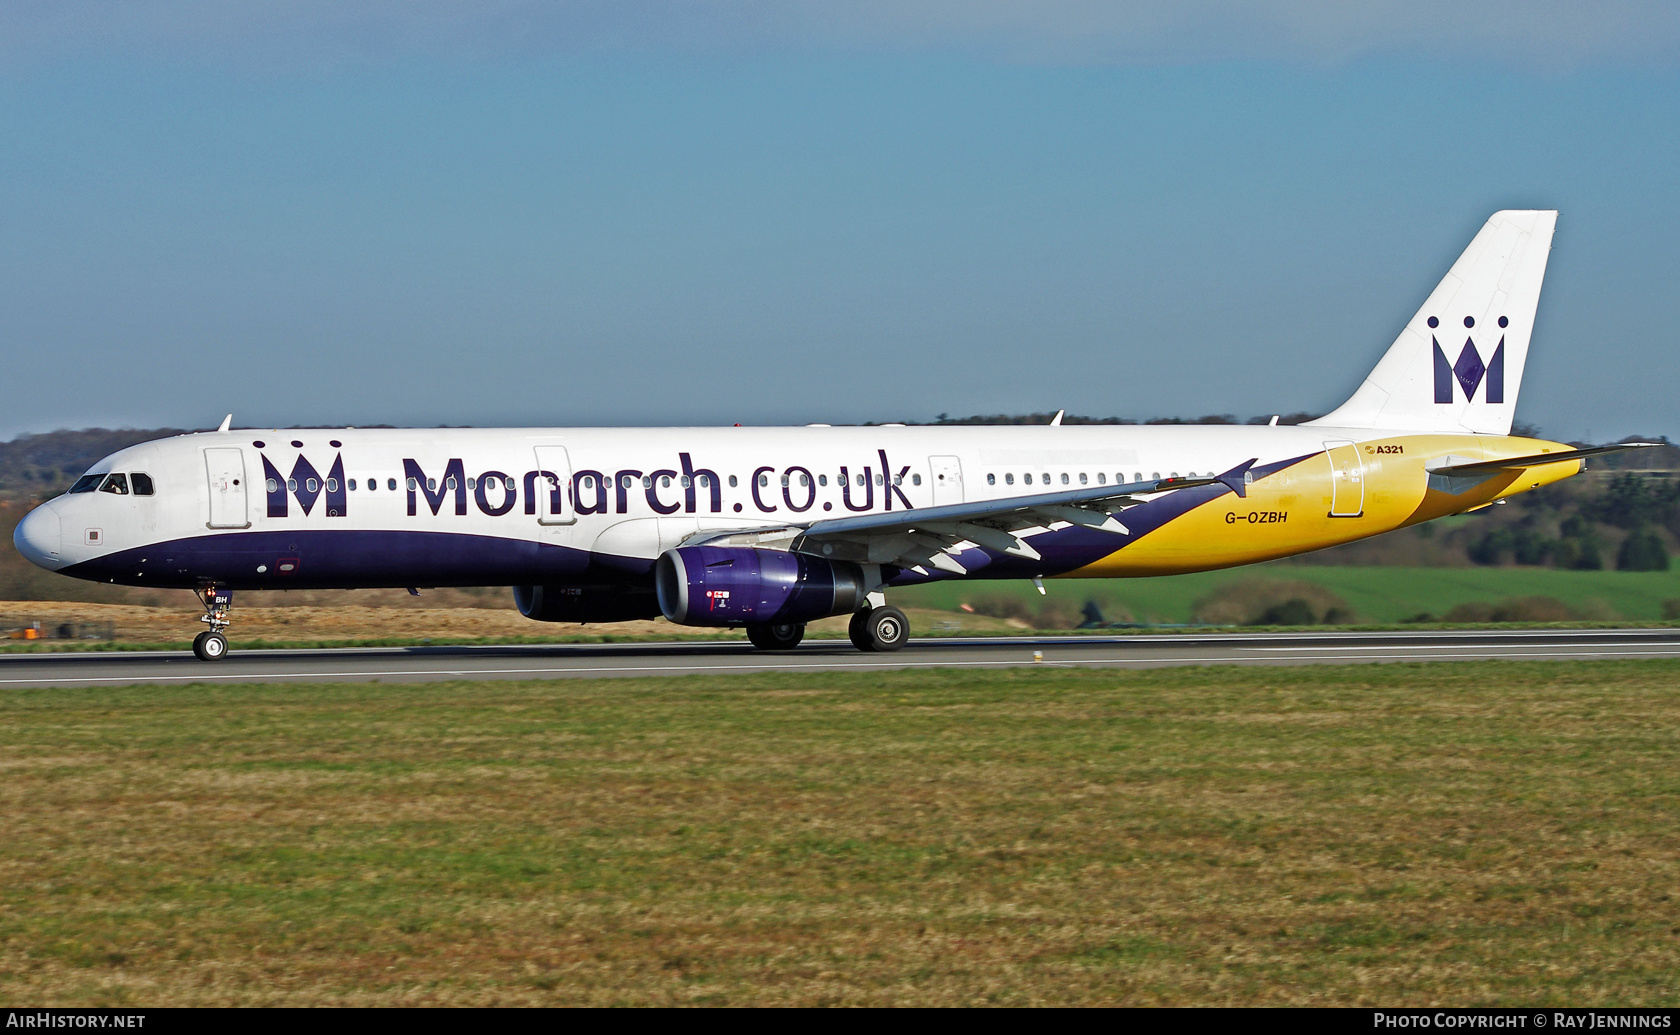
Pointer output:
1236, 479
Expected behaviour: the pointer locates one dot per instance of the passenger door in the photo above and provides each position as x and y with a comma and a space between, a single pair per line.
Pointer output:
225, 468
947, 479
553, 487
1347, 479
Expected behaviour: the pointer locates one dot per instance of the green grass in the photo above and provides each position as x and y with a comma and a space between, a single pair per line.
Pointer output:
1379, 594
1406, 834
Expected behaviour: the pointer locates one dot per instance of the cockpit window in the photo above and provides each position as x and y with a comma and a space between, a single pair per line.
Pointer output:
115, 483
142, 484
86, 483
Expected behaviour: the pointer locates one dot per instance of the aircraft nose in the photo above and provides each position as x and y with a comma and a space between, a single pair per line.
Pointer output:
39, 538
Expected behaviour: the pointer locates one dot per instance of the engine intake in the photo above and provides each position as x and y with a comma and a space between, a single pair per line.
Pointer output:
728, 585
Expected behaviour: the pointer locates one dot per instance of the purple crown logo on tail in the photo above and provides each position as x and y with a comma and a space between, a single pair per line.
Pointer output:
1469, 370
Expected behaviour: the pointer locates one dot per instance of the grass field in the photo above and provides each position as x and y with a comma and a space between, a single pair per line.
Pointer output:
1465, 834
1378, 594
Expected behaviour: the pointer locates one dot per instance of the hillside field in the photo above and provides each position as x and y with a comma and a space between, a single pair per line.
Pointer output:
1377, 594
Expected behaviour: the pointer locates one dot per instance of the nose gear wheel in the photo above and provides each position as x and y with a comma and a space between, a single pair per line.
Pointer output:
212, 644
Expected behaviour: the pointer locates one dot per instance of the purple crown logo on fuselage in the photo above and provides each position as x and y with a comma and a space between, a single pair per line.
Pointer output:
1469, 371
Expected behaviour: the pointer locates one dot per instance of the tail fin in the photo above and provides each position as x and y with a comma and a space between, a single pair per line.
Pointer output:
1459, 363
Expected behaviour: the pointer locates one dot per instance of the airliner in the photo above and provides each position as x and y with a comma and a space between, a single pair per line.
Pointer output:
768, 529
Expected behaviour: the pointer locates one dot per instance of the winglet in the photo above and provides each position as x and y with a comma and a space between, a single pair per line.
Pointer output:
1056, 421
227, 422
1236, 479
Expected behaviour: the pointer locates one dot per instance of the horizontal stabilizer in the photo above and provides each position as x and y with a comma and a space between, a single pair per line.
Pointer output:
1515, 463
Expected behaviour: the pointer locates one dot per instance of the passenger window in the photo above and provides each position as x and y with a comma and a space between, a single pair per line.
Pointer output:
1102, 479
116, 484
1064, 478
351, 485
431, 484
915, 479
1156, 475
684, 481
991, 479
332, 484
273, 486
1026, 479
413, 484
86, 483
733, 482
1082, 478
391, 484
1045, 478
472, 484
312, 485
822, 479
142, 484
449, 483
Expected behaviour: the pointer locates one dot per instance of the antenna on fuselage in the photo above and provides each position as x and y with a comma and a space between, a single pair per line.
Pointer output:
227, 422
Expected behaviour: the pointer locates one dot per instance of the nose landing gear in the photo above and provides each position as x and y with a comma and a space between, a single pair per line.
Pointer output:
211, 644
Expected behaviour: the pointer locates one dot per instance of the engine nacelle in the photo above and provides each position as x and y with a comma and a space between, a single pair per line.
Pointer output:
584, 603
732, 585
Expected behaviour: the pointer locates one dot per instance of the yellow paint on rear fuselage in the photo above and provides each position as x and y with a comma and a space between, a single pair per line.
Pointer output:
1289, 512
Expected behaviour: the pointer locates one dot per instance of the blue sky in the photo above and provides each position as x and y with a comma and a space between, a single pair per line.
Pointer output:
641, 214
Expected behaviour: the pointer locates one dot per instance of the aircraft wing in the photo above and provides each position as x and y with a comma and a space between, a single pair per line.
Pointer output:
924, 537
1536, 459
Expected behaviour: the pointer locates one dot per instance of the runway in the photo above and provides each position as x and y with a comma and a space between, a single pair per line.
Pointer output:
429, 664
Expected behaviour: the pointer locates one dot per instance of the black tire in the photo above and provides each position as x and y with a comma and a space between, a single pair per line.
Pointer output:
883, 629
858, 631
776, 636
210, 646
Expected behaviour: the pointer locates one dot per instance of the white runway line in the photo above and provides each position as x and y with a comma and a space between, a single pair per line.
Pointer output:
677, 668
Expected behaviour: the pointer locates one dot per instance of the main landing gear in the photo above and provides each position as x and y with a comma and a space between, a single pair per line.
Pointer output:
776, 636
879, 629
211, 644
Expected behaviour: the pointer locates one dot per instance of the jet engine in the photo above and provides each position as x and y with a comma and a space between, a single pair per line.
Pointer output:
584, 603
723, 585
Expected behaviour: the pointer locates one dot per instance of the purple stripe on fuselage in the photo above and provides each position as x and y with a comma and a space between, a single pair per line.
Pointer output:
1069, 549
321, 559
